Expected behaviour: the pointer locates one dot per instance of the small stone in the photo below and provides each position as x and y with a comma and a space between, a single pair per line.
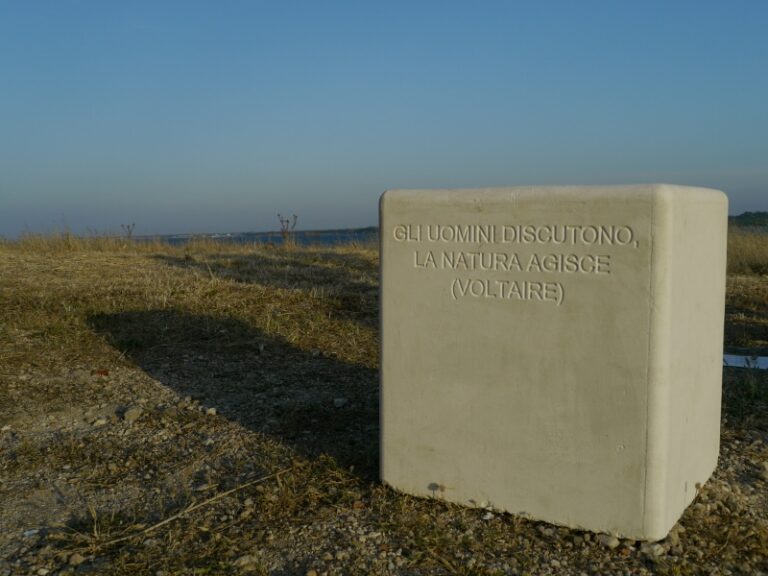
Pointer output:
244, 561
171, 412
100, 422
339, 402
76, 559
608, 541
30, 533
488, 516
673, 538
132, 414
5, 428
311, 573
43, 571
211, 411
652, 549
327, 556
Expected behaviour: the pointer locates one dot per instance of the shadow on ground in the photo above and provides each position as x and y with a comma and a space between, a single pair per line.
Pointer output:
311, 402
349, 280
745, 398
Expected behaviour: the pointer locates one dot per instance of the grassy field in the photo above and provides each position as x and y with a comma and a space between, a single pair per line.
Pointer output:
213, 409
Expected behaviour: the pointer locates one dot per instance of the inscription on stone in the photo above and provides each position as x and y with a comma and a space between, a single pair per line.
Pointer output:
506, 248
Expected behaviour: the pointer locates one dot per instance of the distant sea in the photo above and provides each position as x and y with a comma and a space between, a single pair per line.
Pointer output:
301, 237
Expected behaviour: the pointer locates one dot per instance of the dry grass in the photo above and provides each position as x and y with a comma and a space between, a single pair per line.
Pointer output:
747, 294
269, 337
747, 252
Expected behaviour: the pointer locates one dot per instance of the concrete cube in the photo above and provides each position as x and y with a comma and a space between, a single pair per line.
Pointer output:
554, 351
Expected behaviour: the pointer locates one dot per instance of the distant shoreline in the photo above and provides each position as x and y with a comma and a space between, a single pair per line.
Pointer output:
302, 237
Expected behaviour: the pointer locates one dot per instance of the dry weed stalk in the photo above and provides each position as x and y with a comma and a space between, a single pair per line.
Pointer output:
287, 227
95, 546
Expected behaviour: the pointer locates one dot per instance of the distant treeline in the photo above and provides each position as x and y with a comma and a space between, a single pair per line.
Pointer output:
759, 219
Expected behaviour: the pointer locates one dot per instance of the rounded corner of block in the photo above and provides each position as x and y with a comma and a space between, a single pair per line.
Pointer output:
390, 196
384, 198
720, 195
667, 192
656, 529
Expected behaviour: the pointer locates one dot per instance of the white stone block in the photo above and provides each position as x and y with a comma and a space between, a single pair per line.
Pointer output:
554, 352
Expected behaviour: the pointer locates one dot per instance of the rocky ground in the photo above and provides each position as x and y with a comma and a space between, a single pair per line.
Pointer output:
214, 410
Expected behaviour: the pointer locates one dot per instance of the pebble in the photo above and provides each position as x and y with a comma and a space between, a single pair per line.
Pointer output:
211, 412
244, 561
608, 541
652, 549
76, 559
311, 573
339, 402
674, 535
132, 414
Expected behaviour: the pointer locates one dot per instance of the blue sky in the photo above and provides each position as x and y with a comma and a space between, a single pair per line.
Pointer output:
214, 116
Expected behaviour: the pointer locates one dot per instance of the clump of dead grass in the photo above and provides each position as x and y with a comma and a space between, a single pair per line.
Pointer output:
747, 252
